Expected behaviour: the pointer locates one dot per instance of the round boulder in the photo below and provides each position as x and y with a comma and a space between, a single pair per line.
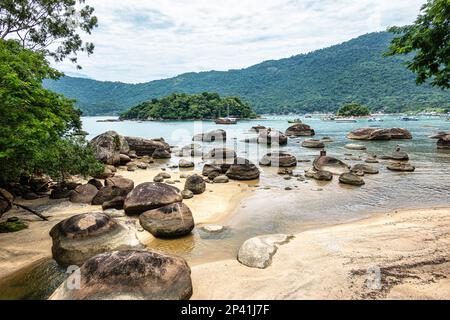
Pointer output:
333, 165
83, 194
313, 144
81, 237
400, 166
150, 195
352, 179
130, 275
364, 168
278, 159
195, 183
185, 164
299, 130
171, 221
119, 182
242, 169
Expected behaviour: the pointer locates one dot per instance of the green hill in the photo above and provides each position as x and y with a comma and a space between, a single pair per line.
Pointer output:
323, 80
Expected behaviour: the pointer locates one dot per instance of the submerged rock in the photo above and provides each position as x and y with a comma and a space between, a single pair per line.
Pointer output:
313, 144
364, 168
320, 175
150, 195
171, 221
257, 128
401, 166
257, 252
278, 159
396, 155
185, 164
130, 275
81, 237
443, 140
351, 178
300, 129
195, 183
212, 228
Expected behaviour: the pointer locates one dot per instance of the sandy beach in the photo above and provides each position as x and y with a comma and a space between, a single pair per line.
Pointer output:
409, 248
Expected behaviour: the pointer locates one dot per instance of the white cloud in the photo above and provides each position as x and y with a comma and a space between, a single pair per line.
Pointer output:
139, 40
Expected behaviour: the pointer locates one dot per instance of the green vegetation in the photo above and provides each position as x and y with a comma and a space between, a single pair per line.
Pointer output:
194, 106
37, 126
50, 27
319, 81
428, 38
353, 110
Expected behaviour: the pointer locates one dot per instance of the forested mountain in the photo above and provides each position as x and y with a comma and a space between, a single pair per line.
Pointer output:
323, 80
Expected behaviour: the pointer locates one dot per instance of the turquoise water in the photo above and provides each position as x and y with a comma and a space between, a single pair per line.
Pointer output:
309, 203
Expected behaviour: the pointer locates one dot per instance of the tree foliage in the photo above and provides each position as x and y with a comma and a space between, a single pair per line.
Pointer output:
353, 109
195, 106
429, 39
36, 124
48, 26
322, 80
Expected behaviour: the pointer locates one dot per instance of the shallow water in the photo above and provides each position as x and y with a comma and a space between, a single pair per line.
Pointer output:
309, 204
279, 211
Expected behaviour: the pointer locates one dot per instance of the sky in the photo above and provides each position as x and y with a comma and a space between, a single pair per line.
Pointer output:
139, 41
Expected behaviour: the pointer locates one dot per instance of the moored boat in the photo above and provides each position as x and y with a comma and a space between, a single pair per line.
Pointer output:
295, 121
226, 120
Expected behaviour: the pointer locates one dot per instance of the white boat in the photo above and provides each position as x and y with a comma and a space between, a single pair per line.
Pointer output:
376, 120
345, 120
407, 118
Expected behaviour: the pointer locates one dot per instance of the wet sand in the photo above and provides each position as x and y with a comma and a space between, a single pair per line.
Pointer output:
410, 249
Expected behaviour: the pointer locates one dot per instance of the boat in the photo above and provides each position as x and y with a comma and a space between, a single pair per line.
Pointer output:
407, 118
307, 116
226, 120
345, 120
376, 120
328, 118
295, 121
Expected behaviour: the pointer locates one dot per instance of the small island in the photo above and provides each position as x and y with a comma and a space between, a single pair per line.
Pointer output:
181, 106
353, 110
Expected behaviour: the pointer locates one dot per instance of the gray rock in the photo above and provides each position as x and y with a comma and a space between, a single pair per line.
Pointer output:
195, 183
185, 164
221, 179
108, 146
83, 194
352, 179
353, 146
365, 168
187, 194
146, 147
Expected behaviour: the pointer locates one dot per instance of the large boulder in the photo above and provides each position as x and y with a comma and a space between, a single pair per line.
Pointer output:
108, 193
129, 275
299, 130
443, 140
364, 168
211, 136
161, 154
351, 178
272, 137
257, 252
83, 236
115, 203
146, 147
320, 175
278, 159
171, 221
327, 163
108, 146
211, 168
190, 150
6, 200
120, 182
312, 143
379, 134
195, 183
242, 169
83, 194
150, 195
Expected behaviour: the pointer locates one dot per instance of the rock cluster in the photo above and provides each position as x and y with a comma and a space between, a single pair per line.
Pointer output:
379, 134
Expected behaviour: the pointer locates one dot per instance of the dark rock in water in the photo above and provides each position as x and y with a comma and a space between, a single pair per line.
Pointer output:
115, 203
272, 137
396, 155
258, 128
30, 196
161, 154
401, 166
96, 183
122, 183
12, 224
300, 130
278, 159
243, 169
327, 163
108, 146
218, 154
81, 237
171, 221
146, 147
187, 194
130, 275
443, 140
83, 194
364, 168
371, 160
195, 183
352, 179
124, 159
108, 193
151, 195
185, 164
320, 175
313, 144
211, 136
210, 168
379, 134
